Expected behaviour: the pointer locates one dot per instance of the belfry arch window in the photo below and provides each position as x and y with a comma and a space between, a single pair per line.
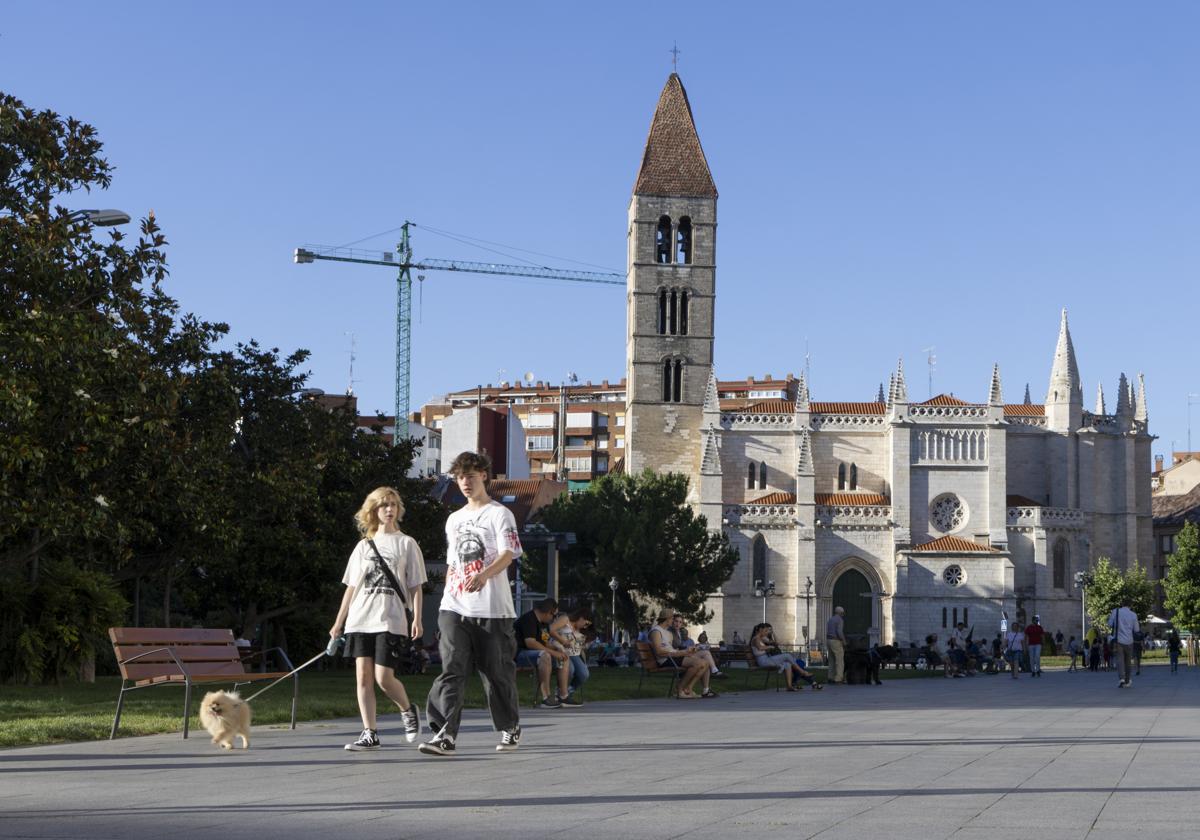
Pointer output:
841, 476
750, 476
672, 380
662, 240
661, 321
683, 312
853, 477
683, 241
673, 321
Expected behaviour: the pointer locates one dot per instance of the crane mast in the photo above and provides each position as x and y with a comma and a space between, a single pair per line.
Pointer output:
402, 260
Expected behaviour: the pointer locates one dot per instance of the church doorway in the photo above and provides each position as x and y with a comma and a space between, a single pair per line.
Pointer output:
852, 591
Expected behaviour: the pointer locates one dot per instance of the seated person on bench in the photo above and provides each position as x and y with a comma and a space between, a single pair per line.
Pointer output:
768, 655
668, 656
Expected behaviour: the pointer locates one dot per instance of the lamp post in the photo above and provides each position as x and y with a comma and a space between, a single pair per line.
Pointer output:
101, 218
764, 592
1083, 580
808, 587
613, 585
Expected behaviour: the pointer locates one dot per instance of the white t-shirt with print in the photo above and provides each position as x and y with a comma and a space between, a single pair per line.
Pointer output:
474, 540
376, 608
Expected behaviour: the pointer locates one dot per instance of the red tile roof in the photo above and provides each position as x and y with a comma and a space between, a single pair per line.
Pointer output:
775, 499
673, 162
1023, 410
770, 407
872, 499
848, 408
945, 399
953, 545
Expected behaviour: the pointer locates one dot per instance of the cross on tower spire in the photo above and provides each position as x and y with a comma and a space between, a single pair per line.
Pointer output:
674, 51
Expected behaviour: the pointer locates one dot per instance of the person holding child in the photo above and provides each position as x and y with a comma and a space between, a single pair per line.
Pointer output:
383, 580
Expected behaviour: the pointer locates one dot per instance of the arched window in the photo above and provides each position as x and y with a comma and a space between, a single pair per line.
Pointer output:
666, 383
677, 385
672, 380
750, 476
683, 241
673, 328
943, 618
1062, 554
762, 476
662, 312
853, 477
955, 619
841, 476
683, 312
662, 240
759, 554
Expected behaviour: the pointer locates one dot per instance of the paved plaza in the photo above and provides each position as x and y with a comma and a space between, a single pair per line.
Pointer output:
1064, 756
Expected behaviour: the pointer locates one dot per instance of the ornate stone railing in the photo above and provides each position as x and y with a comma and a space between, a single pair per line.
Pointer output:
1032, 422
846, 516
866, 422
737, 421
1046, 517
949, 412
764, 516
952, 446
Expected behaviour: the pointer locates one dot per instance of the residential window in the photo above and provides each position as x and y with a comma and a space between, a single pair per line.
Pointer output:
575, 442
539, 443
619, 443
620, 419
602, 443
579, 464
601, 466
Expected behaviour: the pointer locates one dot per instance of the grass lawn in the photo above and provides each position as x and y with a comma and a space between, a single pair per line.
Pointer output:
44, 714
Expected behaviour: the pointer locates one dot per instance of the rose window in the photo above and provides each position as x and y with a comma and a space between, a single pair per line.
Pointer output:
947, 513
954, 575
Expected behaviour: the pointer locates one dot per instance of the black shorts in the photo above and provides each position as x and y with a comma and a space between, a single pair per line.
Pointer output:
387, 649
670, 662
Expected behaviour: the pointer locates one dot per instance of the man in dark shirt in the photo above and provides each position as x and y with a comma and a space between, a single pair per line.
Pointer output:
1034, 636
535, 651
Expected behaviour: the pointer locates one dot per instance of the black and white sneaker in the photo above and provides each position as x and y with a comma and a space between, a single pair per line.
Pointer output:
412, 723
510, 739
569, 702
440, 745
550, 703
368, 740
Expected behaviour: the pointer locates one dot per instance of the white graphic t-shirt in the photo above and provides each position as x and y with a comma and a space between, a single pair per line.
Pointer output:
376, 608
474, 540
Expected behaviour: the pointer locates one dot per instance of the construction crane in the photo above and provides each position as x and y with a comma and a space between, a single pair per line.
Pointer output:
402, 261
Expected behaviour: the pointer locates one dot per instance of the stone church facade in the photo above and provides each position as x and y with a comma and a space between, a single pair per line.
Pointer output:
911, 515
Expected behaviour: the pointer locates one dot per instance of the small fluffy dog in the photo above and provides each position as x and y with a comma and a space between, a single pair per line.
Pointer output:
226, 715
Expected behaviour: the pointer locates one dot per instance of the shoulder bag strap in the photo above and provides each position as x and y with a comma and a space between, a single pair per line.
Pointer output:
388, 572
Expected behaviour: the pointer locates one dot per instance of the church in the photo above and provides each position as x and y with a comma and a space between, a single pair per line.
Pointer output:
912, 516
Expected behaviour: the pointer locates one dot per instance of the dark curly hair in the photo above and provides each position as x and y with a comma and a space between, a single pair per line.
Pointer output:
471, 462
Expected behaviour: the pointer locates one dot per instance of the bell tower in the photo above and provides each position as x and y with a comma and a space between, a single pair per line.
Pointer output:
670, 293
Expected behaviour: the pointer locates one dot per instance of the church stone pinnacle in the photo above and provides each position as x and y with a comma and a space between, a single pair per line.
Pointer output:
995, 394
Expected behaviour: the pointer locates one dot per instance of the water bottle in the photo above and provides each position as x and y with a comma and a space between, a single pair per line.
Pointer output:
335, 642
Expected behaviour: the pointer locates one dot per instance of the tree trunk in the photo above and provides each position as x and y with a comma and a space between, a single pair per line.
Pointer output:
167, 600
87, 668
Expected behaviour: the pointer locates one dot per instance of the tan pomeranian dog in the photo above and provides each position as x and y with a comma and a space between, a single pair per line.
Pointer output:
226, 715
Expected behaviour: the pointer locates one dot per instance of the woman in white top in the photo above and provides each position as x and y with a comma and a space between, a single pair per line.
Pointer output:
567, 630
373, 615
1014, 645
762, 641
667, 655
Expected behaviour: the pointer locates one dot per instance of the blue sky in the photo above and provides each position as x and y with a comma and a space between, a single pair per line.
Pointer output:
893, 176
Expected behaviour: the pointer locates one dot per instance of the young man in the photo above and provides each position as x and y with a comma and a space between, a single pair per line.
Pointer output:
476, 615
1124, 624
535, 651
1034, 636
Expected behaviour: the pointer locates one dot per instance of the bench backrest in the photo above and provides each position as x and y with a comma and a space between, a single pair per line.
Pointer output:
203, 652
646, 656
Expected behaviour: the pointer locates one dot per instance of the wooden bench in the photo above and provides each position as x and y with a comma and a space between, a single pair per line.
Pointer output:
150, 656
651, 667
744, 656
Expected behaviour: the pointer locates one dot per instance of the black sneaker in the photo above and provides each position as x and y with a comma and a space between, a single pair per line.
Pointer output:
368, 740
569, 702
438, 746
412, 723
550, 703
510, 739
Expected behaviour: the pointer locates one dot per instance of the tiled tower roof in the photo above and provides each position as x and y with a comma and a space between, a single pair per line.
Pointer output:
673, 162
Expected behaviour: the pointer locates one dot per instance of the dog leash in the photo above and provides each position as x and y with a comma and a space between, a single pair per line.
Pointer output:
330, 650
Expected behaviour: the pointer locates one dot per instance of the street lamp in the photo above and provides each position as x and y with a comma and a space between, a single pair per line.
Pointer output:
613, 585
808, 588
1082, 581
764, 592
101, 218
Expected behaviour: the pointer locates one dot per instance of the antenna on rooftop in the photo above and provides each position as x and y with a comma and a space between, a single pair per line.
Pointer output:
930, 360
350, 383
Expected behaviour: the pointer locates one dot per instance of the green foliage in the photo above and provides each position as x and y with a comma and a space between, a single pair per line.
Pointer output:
1183, 580
49, 630
641, 531
1111, 588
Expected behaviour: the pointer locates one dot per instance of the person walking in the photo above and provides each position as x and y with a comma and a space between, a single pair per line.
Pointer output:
1073, 649
383, 577
835, 640
1124, 624
1174, 646
1014, 645
476, 615
1034, 636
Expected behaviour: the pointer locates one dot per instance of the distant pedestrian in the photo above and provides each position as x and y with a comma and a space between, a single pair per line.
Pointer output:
1014, 645
1094, 655
1058, 638
1174, 645
1124, 624
835, 640
1073, 649
1034, 635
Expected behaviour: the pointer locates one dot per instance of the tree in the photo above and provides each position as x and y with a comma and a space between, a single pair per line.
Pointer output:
641, 531
1183, 579
1111, 588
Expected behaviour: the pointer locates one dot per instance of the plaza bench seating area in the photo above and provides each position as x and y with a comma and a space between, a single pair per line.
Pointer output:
151, 656
650, 667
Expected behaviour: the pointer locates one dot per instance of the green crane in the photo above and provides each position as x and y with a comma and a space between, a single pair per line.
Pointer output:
402, 260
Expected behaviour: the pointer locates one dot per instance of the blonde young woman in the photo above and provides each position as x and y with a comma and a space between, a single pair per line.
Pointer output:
374, 616
665, 653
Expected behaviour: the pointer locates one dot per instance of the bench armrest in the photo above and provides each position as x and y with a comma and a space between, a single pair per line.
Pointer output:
263, 653
169, 650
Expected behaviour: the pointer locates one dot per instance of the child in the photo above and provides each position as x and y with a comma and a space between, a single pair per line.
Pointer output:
373, 613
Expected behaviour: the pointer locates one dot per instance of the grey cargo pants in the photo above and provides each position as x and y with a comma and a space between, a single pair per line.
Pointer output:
486, 645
